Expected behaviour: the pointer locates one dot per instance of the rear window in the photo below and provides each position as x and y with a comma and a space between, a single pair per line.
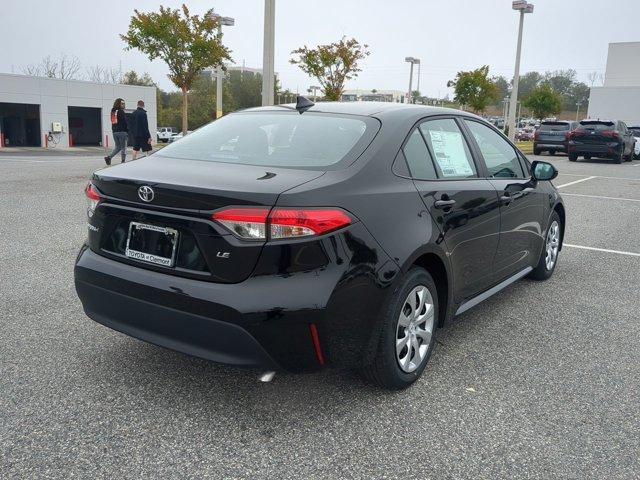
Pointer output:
278, 139
635, 131
597, 125
553, 126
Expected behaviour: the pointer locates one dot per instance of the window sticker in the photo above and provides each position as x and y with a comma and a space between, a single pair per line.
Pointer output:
450, 153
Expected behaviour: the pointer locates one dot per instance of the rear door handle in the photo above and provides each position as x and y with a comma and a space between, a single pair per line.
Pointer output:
443, 204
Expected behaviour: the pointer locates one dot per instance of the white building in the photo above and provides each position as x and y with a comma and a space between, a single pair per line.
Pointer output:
359, 95
50, 112
619, 97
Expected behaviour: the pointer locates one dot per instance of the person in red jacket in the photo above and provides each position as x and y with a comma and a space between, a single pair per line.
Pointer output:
120, 131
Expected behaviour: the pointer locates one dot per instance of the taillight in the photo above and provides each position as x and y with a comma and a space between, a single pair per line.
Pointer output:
301, 222
249, 223
253, 223
93, 198
536, 136
611, 134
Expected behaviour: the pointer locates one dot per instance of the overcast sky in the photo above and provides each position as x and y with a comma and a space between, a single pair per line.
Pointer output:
447, 35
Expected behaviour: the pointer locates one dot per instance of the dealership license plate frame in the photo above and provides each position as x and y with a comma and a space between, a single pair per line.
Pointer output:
147, 257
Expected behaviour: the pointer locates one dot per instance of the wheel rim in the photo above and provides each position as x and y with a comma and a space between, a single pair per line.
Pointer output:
553, 244
415, 327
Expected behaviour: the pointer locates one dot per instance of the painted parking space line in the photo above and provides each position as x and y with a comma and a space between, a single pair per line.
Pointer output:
600, 176
600, 196
604, 250
576, 181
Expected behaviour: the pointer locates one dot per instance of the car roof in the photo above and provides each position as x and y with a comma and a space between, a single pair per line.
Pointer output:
372, 109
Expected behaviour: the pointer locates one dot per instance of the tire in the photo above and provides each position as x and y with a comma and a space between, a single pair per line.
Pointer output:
537, 151
619, 158
552, 152
544, 269
573, 157
630, 156
390, 369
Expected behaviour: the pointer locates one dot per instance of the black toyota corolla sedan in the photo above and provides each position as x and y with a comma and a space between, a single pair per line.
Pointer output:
298, 237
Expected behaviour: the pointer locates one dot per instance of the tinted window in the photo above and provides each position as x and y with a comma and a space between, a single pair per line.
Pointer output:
448, 148
598, 126
635, 131
499, 156
276, 139
553, 127
418, 157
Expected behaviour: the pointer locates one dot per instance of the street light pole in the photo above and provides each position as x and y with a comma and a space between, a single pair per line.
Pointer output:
227, 22
578, 103
523, 7
412, 61
268, 53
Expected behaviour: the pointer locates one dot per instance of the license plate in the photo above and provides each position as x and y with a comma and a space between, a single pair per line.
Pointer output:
152, 244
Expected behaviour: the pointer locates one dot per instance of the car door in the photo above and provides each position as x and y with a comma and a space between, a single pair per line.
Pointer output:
462, 204
627, 138
521, 204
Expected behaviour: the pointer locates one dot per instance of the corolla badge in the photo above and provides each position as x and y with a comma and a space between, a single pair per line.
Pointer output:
146, 193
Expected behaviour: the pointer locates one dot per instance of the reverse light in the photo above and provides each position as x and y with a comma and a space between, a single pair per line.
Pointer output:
248, 223
253, 223
93, 198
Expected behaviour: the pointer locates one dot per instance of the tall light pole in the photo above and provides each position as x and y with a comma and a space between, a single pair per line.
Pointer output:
268, 52
578, 103
227, 22
505, 111
413, 61
523, 7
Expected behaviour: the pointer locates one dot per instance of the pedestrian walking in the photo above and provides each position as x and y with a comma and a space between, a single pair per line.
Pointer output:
140, 130
120, 131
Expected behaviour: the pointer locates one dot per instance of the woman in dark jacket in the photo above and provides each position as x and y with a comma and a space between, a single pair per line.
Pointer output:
120, 131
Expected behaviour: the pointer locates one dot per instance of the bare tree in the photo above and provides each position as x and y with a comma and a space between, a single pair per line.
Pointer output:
95, 74
596, 79
63, 67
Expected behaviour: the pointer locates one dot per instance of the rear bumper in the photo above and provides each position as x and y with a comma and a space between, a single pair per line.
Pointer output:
549, 145
262, 322
595, 149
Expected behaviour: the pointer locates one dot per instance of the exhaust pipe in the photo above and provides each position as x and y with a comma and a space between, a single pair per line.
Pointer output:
266, 377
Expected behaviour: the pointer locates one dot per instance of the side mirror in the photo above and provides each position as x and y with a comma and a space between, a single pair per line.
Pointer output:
543, 171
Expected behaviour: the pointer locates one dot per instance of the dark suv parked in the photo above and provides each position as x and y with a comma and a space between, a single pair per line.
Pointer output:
601, 138
342, 235
553, 136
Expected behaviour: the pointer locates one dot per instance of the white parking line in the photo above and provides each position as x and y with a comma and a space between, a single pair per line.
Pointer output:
600, 176
576, 181
605, 250
600, 196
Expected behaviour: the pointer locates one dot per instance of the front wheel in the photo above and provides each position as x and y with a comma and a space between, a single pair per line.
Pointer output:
549, 256
408, 333
573, 157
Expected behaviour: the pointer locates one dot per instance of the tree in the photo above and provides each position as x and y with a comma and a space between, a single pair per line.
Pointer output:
543, 101
503, 88
332, 65
186, 43
65, 67
528, 82
596, 79
132, 78
474, 89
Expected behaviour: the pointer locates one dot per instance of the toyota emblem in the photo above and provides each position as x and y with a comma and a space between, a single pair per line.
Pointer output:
146, 193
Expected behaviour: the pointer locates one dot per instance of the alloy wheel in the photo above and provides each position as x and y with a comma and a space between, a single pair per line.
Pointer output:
414, 330
553, 244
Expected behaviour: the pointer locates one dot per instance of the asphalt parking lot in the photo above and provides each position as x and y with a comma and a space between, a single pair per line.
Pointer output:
541, 381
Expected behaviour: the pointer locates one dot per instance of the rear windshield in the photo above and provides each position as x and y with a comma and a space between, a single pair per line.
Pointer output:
596, 125
278, 139
635, 131
553, 127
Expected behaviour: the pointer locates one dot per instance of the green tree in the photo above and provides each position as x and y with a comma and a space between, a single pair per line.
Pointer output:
474, 89
528, 82
543, 101
332, 65
503, 88
186, 43
132, 78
